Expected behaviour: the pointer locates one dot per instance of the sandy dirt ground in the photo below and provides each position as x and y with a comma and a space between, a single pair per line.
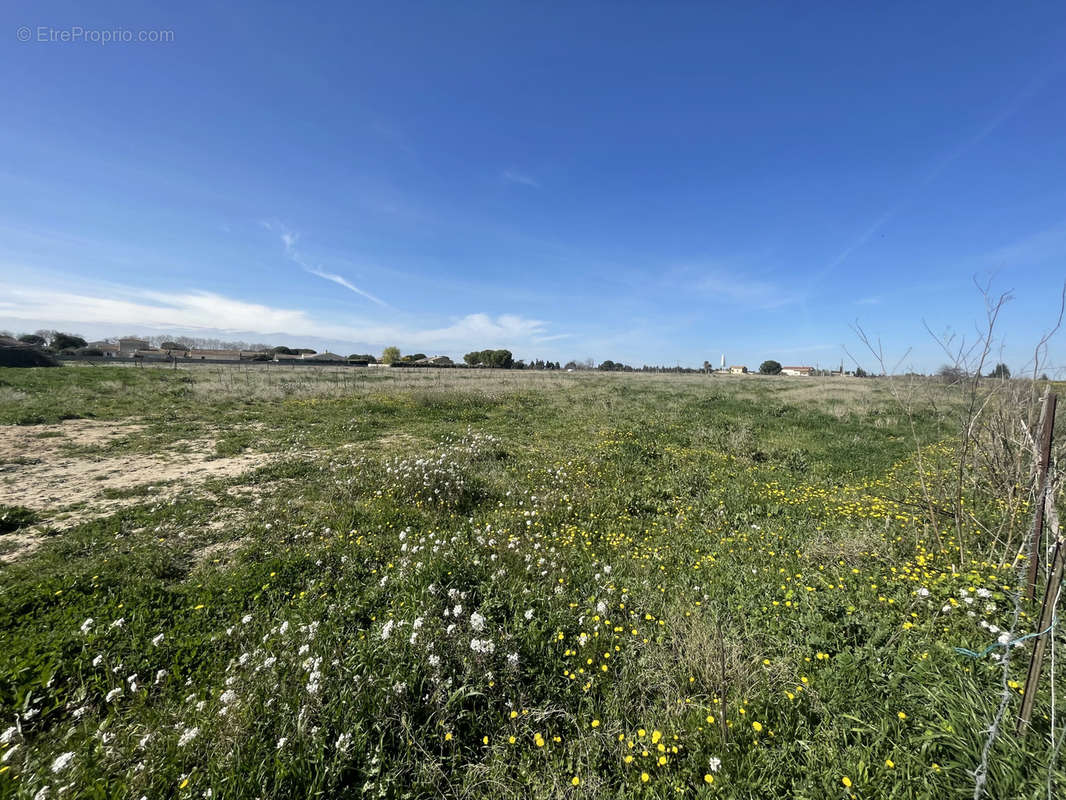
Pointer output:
38, 473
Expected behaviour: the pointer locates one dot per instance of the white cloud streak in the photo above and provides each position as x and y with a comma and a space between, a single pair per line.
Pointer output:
741, 290
289, 240
514, 176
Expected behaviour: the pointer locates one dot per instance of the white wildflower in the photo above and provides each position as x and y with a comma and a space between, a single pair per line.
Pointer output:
117, 691
188, 736
714, 764
386, 630
62, 762
923, 592
8, 735
477, 622
87, 625
228, 697
8, 753
529, 614
157, 639
246, 619
282, 742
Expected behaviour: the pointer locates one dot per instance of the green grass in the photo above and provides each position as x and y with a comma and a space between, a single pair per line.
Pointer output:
653, 554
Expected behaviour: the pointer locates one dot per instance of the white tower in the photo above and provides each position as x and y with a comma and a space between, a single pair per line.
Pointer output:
723, 360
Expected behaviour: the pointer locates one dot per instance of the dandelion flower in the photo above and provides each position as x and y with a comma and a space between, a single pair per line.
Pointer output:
708, 778
757, 727
846, 781
644, 777
575, 781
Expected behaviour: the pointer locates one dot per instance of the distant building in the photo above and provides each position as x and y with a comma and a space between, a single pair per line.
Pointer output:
151, 354
327, 356
109, 350
128, 345
436, 361
738, 370
215, 355
798, 371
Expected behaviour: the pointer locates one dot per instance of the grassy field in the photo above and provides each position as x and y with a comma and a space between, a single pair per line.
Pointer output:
472, 583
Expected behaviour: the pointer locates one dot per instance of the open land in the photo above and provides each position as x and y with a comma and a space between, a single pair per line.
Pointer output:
252, 582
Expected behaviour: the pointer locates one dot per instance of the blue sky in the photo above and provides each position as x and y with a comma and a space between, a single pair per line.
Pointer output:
651, 183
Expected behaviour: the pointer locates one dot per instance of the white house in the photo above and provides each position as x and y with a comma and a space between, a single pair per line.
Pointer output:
798, 371
128, 345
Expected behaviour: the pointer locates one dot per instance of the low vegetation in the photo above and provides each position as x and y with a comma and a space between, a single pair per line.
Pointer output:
522, 584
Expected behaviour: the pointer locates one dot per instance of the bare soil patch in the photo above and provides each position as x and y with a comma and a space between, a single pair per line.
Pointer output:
38, 473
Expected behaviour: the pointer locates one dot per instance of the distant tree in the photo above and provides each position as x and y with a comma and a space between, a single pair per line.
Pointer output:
66, 341
363, 357
770, 368
860, 372
306, 351
413, 357
706, 366
285, 351
32, 339
951, 374
390, 354
170, 346
1001, 371
501, 359
607, 366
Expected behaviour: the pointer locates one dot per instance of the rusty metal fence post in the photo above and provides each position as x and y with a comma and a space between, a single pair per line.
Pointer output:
1047, 429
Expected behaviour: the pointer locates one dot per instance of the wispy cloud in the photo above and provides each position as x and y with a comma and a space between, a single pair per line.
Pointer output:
514, 176
289, 240
329, 276
1038, 248
743, 290
938, 166
868, 301
125, 309
555, 338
